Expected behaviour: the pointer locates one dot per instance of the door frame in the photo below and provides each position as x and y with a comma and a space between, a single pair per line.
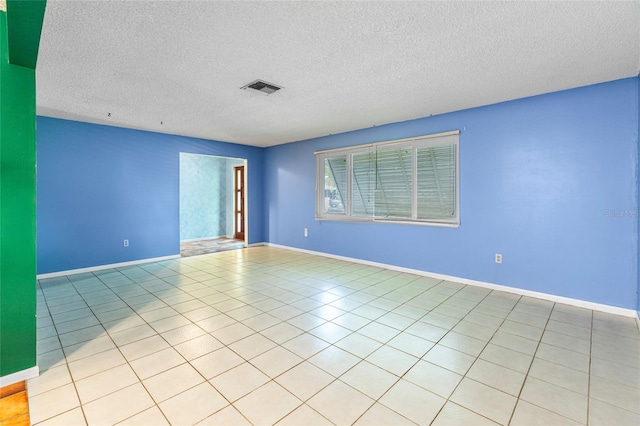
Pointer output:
239, 211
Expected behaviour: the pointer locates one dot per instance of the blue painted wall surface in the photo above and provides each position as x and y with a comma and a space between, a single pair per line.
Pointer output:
543, 181
98, 185
204, 195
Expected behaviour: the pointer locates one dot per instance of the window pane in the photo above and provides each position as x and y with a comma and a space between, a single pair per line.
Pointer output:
335, 184
362, 184
393, 192
436, 182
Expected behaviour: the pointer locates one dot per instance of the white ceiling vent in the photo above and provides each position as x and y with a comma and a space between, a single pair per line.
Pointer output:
262, 87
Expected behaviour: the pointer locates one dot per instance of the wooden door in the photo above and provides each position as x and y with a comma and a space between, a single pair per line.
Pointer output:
238, 192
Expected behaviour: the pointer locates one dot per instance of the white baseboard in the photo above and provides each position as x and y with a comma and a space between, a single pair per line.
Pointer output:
545, 296
102, 267
19, 376
256, 244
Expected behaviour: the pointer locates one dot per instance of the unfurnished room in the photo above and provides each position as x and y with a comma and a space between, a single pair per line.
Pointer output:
319, 212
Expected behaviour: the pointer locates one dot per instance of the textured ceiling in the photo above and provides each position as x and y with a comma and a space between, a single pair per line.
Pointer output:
177, 66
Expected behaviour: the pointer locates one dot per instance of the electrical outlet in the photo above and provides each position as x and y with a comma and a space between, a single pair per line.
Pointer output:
306, 232
498, 258
126, 243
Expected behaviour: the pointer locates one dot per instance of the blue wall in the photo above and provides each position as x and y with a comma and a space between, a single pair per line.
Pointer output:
546, 181
98, 185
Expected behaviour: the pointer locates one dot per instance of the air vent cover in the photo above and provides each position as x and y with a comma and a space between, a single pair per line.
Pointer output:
262, 86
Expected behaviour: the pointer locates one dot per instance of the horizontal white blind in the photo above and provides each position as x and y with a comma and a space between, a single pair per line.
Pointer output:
412, 180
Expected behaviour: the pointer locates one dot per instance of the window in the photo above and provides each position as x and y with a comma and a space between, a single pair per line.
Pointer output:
409, 180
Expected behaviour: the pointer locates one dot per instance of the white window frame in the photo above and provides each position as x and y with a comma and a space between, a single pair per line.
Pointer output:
439, 139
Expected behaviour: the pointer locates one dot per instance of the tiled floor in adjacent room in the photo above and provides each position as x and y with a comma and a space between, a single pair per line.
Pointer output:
264, 336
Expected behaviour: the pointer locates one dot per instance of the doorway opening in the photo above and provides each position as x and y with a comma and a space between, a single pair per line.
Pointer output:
213, 204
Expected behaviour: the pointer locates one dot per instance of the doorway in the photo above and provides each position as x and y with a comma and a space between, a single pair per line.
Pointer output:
212, 201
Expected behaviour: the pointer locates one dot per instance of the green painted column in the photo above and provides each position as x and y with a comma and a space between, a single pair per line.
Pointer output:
18, 186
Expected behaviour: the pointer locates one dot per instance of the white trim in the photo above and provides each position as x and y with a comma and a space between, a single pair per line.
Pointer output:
101, 267
19, 376
546, 296
638, 319
256, 244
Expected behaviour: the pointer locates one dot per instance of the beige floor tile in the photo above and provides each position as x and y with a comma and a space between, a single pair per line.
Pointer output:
615, 372
411, 344
559, 375
427, 331
276, 361
282, 332
91, 365
449, 358
156, 363
83, 335
118, 406
413, 402
507, 358
73, 417
330, 332
433, 378
455, 415
565, 357
484, 400
496, 376
603, 414
567, 342
216, 322
48, 380
379, 415
462, 343
439, 320
133, 334
392, 360
268, 404
88, 348
182, 334
369, 379
527, 414
117, 326
351, 321
193, 405
304, 380
522, 330
334, 360
216, 362
252, 346
395, 320
615, 394
306, 416
152, 416
307, 321
554, 398
359, 345
52, 403
198, 347
306, 345
144, 347
228, 416
477, 331
513, 342
104, 383
380, 332
239, 381
340, 403
172, 382
262, 321
570, 329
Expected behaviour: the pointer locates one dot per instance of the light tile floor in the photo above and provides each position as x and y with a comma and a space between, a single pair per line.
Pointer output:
265, 336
